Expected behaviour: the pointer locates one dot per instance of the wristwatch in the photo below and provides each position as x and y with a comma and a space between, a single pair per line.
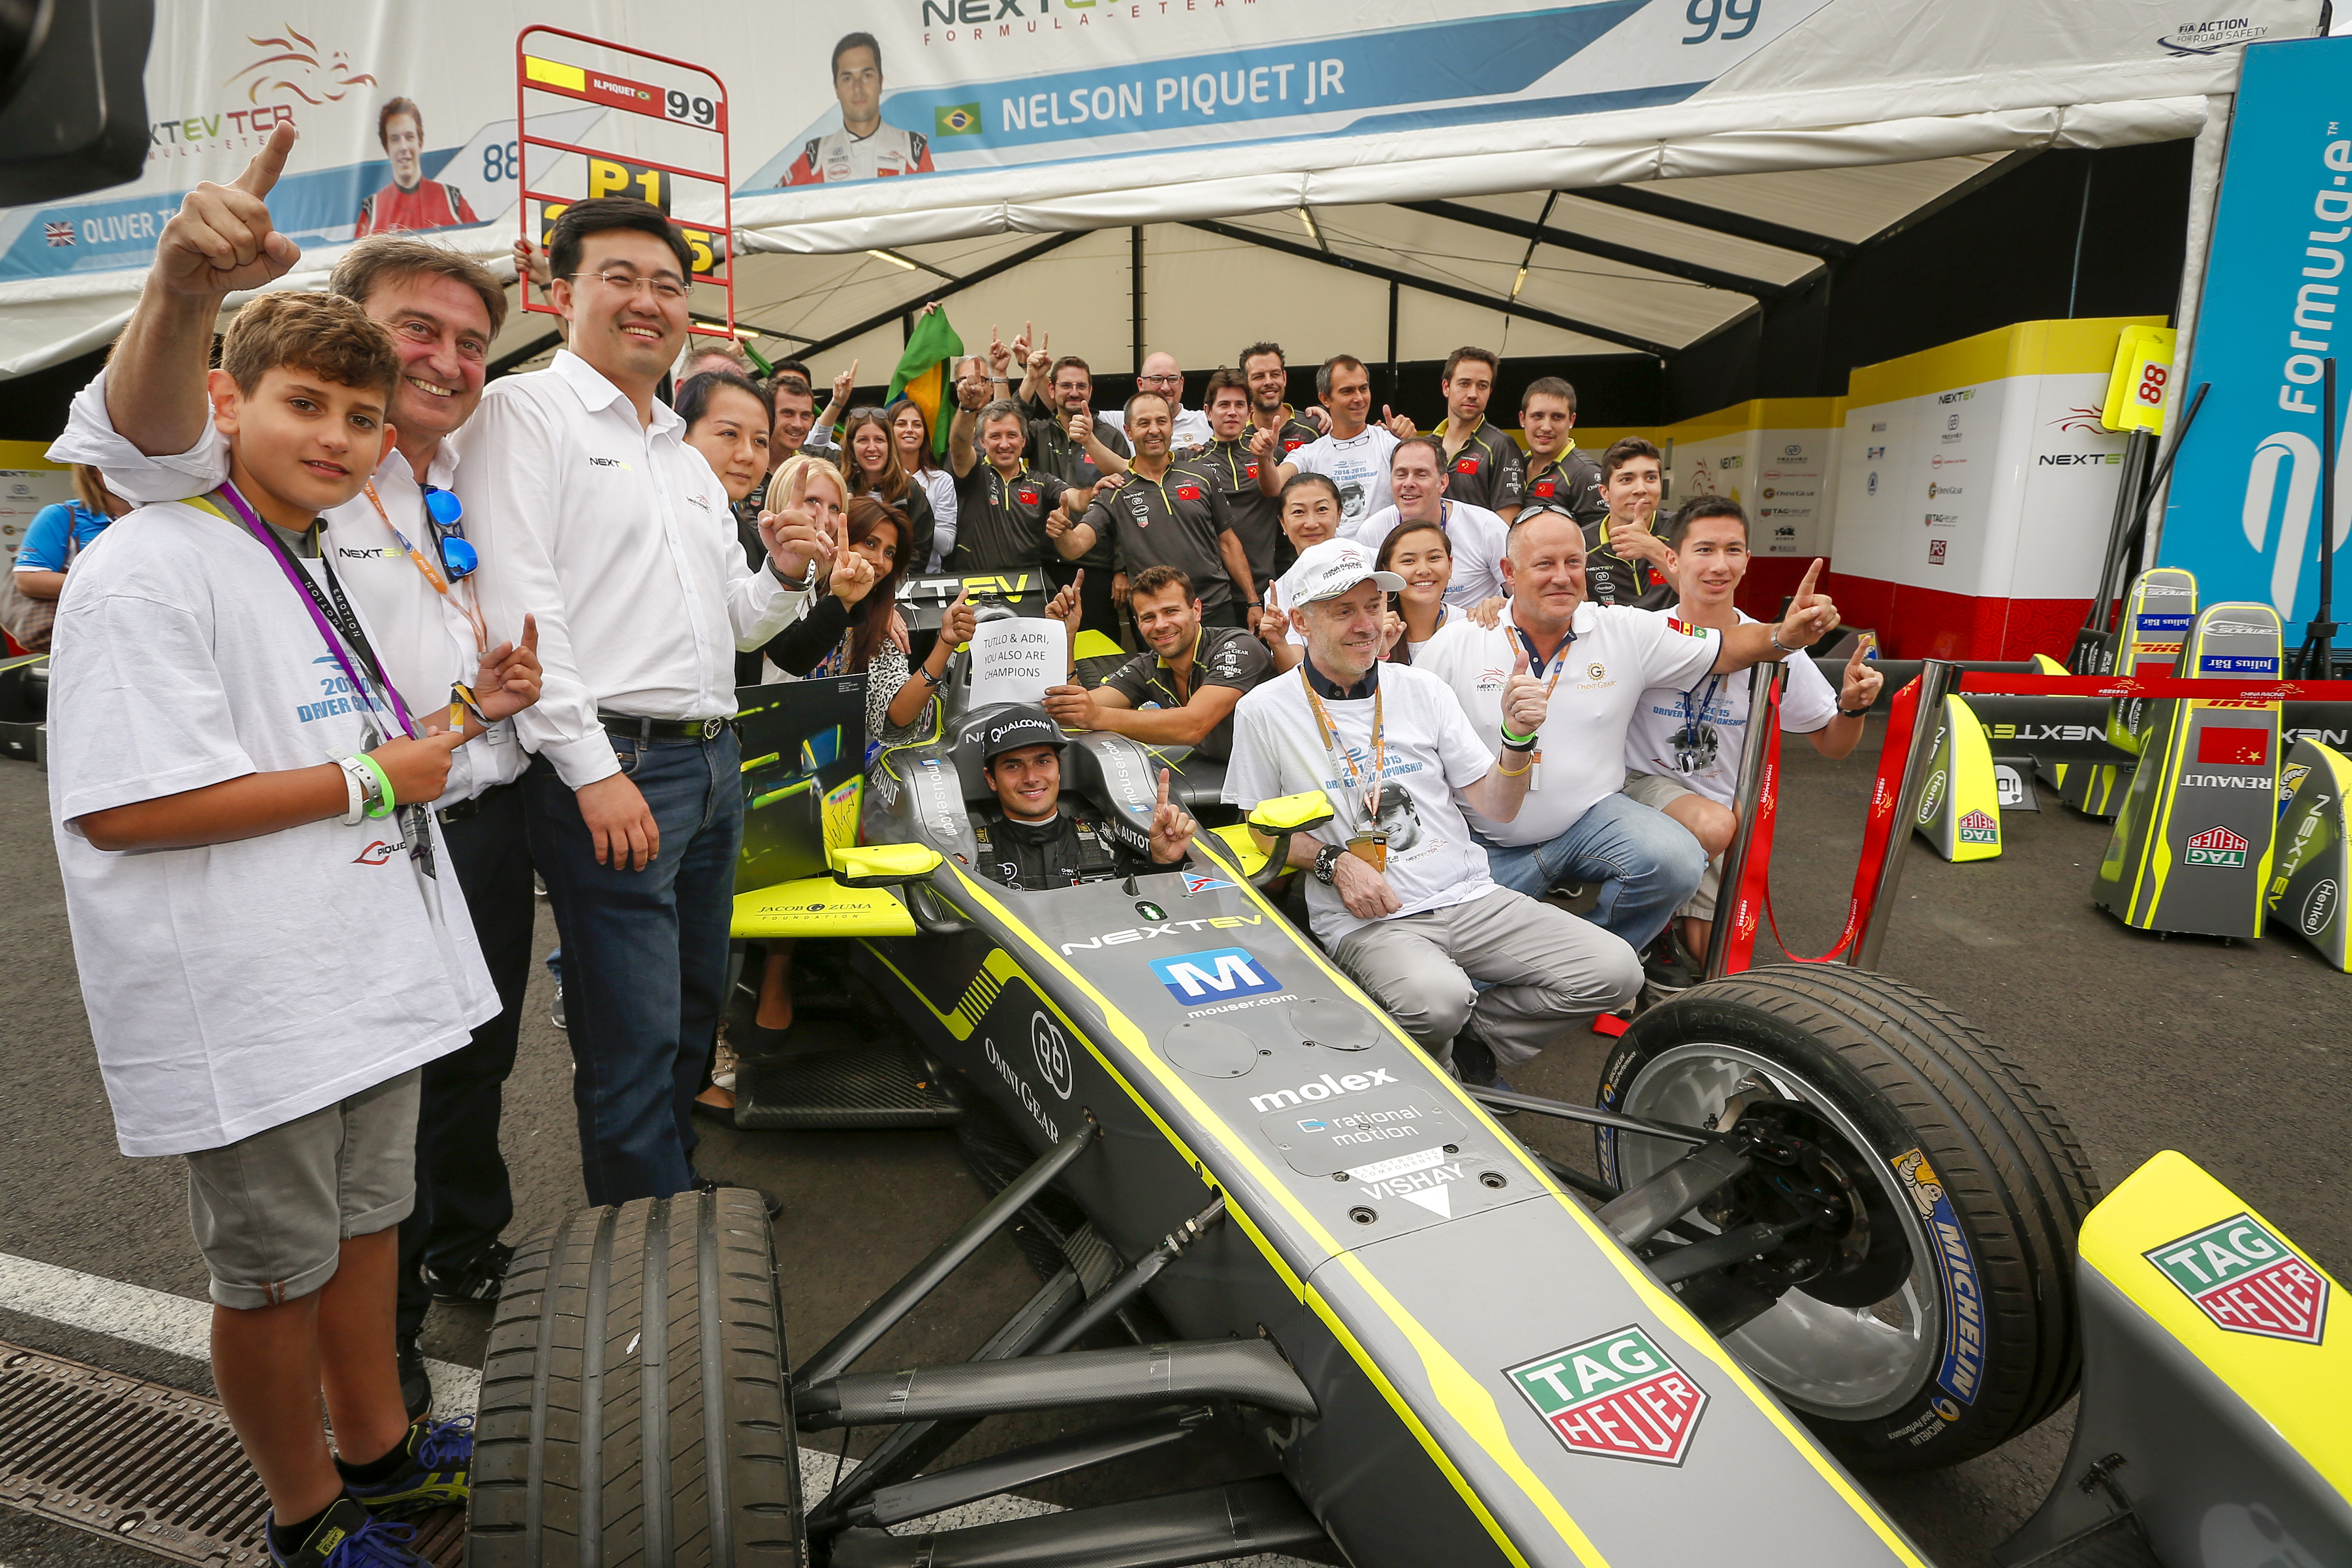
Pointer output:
1326, 859
1861, 712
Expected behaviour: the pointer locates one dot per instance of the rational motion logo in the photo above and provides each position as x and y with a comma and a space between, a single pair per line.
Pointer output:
1619, 1396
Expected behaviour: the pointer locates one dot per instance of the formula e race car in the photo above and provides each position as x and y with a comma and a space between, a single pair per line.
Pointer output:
1834, 1230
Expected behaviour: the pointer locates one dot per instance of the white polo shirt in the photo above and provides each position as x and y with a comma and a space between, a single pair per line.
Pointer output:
424, 638
1617, 655
1475, 536
617, 537
1808, 703
1357, 465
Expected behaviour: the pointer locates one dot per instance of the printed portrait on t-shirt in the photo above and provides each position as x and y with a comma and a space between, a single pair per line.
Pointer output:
1398, 819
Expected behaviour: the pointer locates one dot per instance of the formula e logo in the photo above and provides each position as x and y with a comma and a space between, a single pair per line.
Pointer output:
1052, 1050
1620, 1396
1219, 975
2292, 501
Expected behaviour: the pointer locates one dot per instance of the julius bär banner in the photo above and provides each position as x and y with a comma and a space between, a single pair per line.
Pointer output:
899, 121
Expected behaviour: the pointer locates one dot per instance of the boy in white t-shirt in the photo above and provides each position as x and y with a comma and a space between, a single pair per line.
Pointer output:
239, 796
1683, 749
1400, 892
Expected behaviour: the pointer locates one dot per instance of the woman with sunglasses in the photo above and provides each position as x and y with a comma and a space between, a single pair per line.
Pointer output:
870, 456
912, 432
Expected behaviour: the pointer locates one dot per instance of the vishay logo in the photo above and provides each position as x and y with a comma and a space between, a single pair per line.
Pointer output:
1323, 1087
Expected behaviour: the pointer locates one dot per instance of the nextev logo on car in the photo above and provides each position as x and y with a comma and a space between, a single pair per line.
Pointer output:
1219, 975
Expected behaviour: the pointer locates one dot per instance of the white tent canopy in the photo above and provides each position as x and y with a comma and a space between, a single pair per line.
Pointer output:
1778, 126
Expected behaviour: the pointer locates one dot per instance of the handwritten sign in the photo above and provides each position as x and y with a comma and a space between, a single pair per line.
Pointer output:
1016, 660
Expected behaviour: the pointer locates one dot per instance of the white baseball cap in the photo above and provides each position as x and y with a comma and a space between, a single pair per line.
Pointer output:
1330, 568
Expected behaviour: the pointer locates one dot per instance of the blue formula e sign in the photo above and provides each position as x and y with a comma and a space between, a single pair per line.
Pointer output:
2243, 512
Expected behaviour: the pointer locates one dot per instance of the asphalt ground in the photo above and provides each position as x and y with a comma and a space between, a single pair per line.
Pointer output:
2235, 1055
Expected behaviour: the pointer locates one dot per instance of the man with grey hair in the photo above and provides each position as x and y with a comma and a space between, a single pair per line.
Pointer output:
1002, 503
1400, 894
1596, 661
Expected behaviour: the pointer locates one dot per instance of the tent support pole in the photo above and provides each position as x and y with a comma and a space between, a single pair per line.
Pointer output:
1394, 390
1134, 270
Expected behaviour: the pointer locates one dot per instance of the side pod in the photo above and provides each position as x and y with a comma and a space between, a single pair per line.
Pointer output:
2211, 1431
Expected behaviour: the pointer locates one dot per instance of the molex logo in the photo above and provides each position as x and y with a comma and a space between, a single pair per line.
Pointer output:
1618, 1396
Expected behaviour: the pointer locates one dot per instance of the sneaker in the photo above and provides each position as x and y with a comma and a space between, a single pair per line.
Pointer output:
775, 1205
352, 1537
415, 1385
558, 1009
440, 1461
1474, 1063
478, 1281
1665, 968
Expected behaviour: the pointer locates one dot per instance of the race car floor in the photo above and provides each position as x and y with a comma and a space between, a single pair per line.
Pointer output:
2226, 1054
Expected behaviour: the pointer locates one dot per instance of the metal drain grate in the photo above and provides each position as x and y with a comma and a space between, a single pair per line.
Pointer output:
156, 1468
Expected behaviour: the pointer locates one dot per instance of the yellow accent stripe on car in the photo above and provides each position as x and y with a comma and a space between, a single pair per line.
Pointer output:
1664, 1302
1457, 1389
2303, 1390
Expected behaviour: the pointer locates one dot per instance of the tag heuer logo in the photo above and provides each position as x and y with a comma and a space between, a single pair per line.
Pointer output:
1976, 828
2247, 1281
2217, 846
1618, 1396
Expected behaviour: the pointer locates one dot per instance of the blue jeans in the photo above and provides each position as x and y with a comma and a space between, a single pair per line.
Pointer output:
645, 956
1646, 865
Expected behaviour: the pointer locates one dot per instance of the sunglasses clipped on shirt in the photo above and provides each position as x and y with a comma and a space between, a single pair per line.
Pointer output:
458, 558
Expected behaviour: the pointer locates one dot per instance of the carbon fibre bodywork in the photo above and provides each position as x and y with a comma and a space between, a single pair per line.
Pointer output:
1497, 1379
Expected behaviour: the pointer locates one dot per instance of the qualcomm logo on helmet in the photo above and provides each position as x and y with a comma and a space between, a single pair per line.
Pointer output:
2290, 498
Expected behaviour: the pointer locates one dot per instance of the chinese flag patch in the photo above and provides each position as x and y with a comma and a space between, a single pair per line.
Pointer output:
1465, 465
1027, 497
1543, 488
1251, 470
1187, 492
1292, 446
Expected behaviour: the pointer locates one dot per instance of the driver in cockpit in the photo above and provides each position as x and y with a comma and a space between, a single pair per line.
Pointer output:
1032, 840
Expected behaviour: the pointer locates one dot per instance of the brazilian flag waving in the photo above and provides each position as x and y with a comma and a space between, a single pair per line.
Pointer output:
924, 375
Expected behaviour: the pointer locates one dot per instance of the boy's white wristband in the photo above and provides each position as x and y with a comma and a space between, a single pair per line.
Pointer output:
355, 795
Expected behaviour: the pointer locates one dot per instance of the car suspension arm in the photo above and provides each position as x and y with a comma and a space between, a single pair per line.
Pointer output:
1592, 1116
902, 1298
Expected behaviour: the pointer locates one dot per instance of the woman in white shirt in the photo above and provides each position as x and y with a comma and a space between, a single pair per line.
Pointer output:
914, 437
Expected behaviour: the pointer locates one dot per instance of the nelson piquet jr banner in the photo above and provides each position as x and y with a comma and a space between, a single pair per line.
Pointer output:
921, 119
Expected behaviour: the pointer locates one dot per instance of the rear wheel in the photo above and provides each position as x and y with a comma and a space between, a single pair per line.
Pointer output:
1957, 1330
634, 1406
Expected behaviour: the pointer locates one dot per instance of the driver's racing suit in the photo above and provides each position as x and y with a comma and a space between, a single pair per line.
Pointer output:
1075, 846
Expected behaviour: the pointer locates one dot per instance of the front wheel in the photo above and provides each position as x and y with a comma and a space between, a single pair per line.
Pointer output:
1959, 1330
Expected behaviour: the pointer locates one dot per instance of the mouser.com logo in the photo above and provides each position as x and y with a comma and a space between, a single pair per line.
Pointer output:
1219, 975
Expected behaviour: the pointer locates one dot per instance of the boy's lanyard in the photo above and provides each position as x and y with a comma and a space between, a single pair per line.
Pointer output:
330, 619
433, 574
1695, 746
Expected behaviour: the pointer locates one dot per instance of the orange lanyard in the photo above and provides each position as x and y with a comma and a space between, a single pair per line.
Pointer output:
1558, 660
433, 574
1342, 759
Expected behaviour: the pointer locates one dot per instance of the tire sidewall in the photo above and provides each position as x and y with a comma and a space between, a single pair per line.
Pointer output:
1932, 1419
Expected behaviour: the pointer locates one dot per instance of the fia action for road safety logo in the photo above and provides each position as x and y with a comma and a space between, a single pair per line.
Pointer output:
1619, 1396
2247, 1279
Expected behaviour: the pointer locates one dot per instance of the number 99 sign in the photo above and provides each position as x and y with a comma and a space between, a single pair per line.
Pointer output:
1728, 20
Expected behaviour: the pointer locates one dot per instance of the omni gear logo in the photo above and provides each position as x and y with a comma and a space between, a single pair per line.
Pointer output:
1052, 1050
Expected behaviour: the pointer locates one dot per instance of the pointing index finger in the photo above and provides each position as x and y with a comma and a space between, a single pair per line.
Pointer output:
1163, 786
530, 631
267, 164
1805, 589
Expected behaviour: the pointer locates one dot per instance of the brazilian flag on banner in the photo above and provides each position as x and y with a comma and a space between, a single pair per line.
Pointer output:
923, 375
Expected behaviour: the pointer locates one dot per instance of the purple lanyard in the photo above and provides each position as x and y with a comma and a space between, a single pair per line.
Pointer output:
310, 592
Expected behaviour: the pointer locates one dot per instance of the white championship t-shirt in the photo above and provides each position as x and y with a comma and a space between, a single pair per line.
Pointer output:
1357, 465
1475, 536
1430, 751
235, 987
1653, 741
1618, 654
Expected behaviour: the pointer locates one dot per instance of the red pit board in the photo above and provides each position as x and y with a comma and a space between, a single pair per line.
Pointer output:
698, 105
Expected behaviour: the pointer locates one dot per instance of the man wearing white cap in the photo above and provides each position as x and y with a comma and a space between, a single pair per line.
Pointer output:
1400, 894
